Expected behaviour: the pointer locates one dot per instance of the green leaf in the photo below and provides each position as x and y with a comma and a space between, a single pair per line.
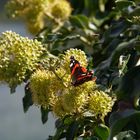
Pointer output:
68, 120
13, 89
123, 4
60, 128
129, 88
44, 114
129, 135
72, 130
91, 138
59, 123
135, 12
79, 21
59, 134
120, 121
120, 49
78, 6
54, 37
138, 46
111, 46
118, 28
102, 131
27, 99
91, 6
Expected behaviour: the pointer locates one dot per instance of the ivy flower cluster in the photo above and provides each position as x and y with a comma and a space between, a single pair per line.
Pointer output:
31, 11
36, 12
100, 103
51, 87
60, 10
18, 57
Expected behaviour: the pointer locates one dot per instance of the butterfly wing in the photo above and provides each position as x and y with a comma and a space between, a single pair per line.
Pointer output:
84, 78
76, 69
79, 74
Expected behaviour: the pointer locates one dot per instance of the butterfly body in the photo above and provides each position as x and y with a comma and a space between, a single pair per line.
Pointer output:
79, 74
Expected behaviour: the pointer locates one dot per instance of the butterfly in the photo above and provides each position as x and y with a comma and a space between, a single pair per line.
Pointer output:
79, 74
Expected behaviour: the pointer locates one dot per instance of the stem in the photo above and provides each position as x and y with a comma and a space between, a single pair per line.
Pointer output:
58, 22
51, 68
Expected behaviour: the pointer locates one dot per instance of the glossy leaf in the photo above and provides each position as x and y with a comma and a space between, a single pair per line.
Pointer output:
91, 7
27, 99
13, 89
91, 138
120, 49
120, 120
78, 6
135, 12
102, 131
80, 21
68, 120
72, 130
59, 134
129, 135
44, 114
123, 4
118, 28
129, 88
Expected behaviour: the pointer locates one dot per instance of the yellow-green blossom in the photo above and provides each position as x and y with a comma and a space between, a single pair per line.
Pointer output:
19, 8
40, 87
18, 57
73, 102
57, 108
100, 103
32, 11
70, 103
53, 87
36, 12
60, 10
45, 85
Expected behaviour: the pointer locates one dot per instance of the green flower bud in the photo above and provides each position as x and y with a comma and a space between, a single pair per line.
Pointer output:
18, 57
